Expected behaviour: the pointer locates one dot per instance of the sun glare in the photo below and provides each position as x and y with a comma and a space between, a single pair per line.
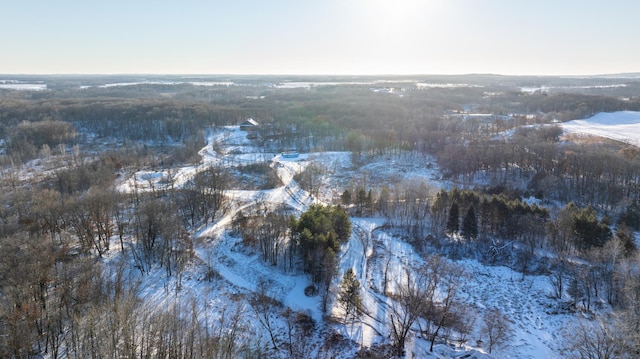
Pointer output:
398, 35
396, 19
397, 12
394, 10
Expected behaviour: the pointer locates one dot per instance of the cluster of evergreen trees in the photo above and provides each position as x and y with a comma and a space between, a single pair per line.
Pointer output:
319, 232
485, 214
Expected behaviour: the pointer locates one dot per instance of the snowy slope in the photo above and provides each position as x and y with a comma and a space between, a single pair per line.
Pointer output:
622, 126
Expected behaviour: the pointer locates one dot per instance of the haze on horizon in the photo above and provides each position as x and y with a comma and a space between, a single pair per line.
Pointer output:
339, 37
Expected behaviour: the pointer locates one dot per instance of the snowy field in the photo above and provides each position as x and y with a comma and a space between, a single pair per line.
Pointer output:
538, 329
623, 126
23, 86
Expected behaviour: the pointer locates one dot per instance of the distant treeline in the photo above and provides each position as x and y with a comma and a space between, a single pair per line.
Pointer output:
352, 118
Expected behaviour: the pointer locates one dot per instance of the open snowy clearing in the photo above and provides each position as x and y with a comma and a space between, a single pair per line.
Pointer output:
623, 126
24, 87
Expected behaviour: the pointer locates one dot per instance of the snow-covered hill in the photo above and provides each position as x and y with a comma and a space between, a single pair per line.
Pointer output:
621, 126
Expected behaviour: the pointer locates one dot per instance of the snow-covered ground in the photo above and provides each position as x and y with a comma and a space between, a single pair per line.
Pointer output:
538, 330
22, 85
623, 126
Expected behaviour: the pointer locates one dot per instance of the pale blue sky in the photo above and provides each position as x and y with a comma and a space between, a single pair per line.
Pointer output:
539, 37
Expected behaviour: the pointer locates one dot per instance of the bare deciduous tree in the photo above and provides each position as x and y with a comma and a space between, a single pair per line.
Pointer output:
597, 340
263, 306
407, 307
497, 328
446, 277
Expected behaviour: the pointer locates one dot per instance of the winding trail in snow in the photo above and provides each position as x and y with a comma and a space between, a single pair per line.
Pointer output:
247, 270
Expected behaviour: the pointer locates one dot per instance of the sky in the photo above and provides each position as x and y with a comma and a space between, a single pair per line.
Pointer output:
342, 37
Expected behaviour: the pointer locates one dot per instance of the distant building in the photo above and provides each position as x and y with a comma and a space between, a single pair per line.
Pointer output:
290, 154
249, 125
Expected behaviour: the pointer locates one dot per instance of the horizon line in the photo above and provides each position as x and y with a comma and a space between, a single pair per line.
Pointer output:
637, 73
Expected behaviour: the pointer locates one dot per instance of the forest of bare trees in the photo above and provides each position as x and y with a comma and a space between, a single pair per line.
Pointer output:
58, 226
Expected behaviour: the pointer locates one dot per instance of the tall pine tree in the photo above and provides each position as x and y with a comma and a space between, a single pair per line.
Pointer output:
453, 223
349, 295
470, 225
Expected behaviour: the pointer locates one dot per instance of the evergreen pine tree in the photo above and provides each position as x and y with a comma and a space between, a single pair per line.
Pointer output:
470, 225
349, 295
361, 201
453, 223
346, 197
